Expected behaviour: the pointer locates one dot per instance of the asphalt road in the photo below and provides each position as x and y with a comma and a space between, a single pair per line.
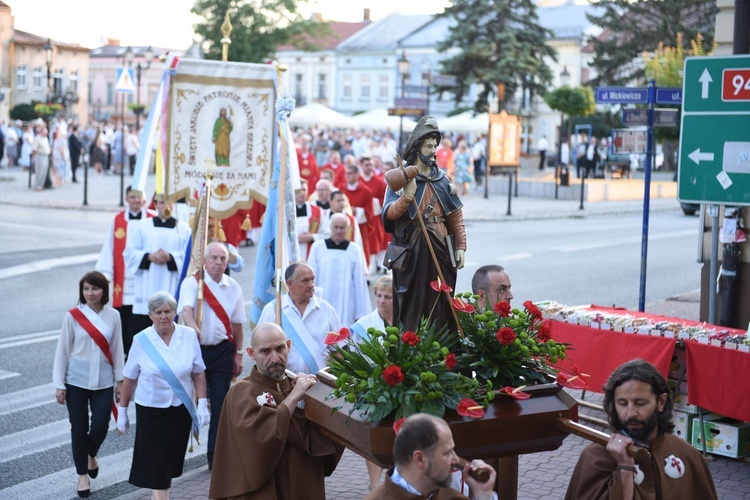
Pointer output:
44, 252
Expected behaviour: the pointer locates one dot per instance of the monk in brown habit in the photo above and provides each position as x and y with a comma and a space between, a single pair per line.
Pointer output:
639, 409
265, 447
425, 464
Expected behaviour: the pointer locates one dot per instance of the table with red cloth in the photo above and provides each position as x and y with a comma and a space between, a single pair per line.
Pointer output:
715, 375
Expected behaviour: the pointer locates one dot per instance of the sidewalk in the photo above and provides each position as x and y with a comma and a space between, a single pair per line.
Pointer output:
104, 195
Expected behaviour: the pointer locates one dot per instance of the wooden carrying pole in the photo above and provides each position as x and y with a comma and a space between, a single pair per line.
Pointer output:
602, 438
418, 215
203, 243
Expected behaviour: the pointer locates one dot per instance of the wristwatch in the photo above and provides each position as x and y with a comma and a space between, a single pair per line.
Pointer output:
238, 351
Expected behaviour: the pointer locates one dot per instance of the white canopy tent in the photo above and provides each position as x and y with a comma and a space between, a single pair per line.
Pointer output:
318, 114
465, 122
378, 119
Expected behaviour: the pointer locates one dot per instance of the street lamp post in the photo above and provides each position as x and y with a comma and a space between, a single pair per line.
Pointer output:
564, 79
148, 56
49, 52
403, 70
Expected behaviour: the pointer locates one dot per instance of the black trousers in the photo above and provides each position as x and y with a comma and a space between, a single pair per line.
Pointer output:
219, 360
86, 441
128, 326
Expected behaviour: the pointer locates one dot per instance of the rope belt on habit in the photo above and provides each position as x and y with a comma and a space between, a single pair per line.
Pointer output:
434, 219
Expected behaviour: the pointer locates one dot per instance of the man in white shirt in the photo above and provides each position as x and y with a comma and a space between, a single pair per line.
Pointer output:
542, 146
305, 318
112, 263
340, 270
156, 250
220, 331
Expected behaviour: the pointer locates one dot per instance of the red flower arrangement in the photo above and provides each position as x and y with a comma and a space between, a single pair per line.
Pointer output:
450, 361
533, 310
502, 309
336, 337
506, 335
410, 338
461, 306
440, 286
393, 375
467, 407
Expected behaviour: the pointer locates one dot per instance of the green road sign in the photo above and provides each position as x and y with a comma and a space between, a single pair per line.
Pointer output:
714, 153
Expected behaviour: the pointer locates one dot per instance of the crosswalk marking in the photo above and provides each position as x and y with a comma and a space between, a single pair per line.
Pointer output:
5, 374
27, 398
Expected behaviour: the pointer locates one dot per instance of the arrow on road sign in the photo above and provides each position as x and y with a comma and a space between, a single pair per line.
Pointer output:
697, 156
705, 79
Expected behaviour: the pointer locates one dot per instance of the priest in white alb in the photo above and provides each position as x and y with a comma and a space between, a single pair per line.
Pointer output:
340, 270
157, 251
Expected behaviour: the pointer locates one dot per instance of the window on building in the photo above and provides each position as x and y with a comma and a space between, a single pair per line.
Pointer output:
364, 88
322, 86
58, 81
37, 80
110, 93
346, 89
21, 76
298, 80
384, 84
74, 81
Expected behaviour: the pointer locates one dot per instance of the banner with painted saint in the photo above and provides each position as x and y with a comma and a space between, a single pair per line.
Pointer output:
221, 118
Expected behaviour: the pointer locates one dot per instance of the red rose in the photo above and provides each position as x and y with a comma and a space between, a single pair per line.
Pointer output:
461, 306
533, 310
410, 338
450, 361
393, 375
502, 308
543, 335
506, 335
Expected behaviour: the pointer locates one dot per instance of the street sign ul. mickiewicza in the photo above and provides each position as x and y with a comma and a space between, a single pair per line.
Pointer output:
668, 95
714, 152
621, 95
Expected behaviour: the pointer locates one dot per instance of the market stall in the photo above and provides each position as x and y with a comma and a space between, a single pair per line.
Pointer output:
718, 358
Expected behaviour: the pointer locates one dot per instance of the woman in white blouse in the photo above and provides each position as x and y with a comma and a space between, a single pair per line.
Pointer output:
165, 412
84, 375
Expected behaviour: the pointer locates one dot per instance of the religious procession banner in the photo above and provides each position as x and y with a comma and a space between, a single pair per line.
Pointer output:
221, 119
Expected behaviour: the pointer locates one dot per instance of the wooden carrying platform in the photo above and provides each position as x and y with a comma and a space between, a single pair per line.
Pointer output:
509, 427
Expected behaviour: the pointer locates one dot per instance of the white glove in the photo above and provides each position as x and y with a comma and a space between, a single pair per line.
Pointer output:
203, 416
123, 423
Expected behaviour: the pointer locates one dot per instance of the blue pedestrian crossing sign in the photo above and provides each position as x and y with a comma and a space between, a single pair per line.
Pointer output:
125, 81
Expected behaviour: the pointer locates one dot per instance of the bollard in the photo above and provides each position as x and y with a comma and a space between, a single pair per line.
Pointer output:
85, 179
583, 185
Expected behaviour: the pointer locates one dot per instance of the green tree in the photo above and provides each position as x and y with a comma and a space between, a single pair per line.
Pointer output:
259, 27
630, 27
571, 101
23, 112
665, 66
502, 46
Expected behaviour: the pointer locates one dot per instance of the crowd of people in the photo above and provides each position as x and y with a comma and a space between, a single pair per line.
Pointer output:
135, 351
54, 153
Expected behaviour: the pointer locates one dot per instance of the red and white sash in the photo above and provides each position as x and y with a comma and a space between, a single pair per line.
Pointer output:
93, 325
217, 308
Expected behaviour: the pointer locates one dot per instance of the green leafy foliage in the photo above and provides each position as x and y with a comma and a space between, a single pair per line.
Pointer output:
501, 42
573, 101
427, 384
259, 27
631, 27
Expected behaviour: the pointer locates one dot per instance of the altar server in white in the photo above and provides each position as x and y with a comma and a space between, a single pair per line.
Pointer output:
341, 272
157, 251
